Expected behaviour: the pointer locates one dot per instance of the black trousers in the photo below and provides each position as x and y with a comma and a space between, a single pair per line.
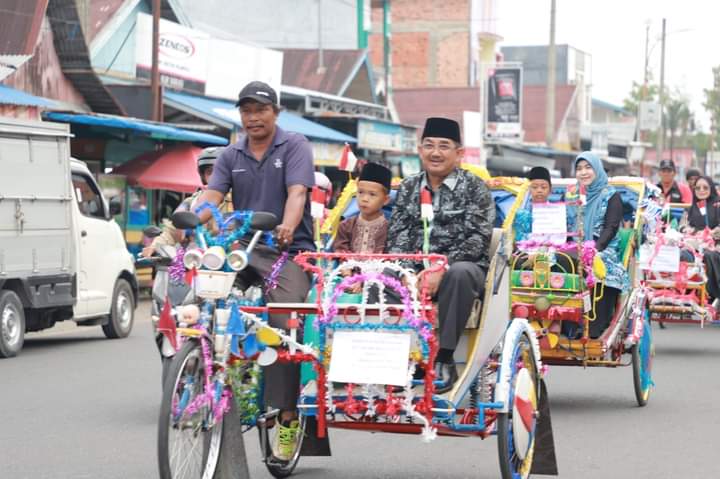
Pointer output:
603, 311
282, 380
460, 285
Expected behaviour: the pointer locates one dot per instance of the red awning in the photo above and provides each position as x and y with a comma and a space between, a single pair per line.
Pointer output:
173, 169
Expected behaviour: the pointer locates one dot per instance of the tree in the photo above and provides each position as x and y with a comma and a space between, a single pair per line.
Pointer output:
679, 120
712, 103
638, 93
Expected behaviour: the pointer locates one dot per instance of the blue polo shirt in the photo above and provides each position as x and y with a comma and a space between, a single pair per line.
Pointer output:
262, 185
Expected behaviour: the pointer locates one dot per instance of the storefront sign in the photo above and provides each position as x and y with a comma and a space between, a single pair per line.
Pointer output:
377, 135
183, 54
504, 103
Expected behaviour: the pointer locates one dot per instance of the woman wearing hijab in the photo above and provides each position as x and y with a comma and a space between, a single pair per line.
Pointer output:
602, 217
705, 213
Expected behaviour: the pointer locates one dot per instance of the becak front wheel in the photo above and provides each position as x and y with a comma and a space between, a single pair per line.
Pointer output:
516, 428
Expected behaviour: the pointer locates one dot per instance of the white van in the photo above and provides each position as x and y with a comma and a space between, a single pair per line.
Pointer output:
62, 256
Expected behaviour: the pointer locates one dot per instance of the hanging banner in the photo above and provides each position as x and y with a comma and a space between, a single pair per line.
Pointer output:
503, 112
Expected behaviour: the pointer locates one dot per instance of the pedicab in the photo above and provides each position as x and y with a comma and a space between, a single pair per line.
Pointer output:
674, 269
370, 366
552, 287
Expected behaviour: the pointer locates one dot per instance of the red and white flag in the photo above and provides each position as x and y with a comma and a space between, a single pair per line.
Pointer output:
348, 160
166, 323
426, 205
317, 203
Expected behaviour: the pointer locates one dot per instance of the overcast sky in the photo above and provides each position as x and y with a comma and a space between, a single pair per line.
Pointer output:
613, 32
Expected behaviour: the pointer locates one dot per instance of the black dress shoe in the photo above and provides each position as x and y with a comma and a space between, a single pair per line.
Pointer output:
446, 374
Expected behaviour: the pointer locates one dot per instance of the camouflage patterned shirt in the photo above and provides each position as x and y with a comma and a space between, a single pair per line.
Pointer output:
464, 214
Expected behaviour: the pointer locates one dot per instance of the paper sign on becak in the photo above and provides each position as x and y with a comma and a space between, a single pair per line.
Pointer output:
549, 222
665, 259
361, 357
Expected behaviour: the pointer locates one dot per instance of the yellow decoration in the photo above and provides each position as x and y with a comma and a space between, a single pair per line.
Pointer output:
268, 337
416, 356
599, 269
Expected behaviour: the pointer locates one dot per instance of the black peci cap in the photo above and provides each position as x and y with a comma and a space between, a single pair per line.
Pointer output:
377, 174
442, 128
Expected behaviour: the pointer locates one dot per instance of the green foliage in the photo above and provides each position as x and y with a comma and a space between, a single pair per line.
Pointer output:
712, 102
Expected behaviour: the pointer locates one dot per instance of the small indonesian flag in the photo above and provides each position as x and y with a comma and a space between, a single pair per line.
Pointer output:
348, 160
190, 275
426, 206
583, 195
166, 324
702, 205
317, 203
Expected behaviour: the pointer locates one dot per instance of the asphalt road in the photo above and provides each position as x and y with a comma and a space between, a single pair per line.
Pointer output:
76, 405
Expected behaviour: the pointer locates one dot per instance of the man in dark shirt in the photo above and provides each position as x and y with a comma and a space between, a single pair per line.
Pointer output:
461, 228
270, 169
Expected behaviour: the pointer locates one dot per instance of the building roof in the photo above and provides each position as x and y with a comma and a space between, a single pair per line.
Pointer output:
533, 109
153, 130
300, 68
20, 23
597, 103
102, 12
415, 105
11, 96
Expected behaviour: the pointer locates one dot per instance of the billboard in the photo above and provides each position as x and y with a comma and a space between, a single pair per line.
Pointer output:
183, 54
503, 108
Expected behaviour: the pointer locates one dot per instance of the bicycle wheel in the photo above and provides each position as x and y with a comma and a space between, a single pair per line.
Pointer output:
187, 447
278, 468
642, 359
516, 428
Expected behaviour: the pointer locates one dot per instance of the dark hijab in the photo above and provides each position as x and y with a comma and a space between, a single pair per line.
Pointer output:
711, 218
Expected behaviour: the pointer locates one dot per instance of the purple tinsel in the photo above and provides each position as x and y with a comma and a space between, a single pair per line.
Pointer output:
176, 270
271, 281
412, 320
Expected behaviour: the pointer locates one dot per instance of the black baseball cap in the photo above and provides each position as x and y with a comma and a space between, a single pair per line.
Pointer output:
259, 91
667, 165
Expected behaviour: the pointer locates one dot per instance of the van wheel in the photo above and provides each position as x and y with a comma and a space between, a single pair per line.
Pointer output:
12, 324
122, 311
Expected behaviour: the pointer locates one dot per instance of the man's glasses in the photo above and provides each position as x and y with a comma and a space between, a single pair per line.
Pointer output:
442, 147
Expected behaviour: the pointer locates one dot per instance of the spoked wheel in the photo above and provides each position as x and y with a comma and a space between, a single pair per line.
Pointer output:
642, 359
188, 447
516, 428
269, 440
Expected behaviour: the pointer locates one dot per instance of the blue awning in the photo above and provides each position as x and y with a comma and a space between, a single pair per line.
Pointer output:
226, 114
11, 96
156, 131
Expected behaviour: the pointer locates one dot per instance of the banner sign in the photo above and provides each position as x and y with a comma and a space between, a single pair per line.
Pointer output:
503, 112
183, 54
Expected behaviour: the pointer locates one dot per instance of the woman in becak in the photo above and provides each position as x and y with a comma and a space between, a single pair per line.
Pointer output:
602, 217
705, 213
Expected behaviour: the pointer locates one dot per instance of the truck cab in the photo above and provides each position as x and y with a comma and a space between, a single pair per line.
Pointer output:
62, 256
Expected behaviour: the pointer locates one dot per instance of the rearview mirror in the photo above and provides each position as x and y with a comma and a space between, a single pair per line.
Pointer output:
152, 231
115, 206
264, 221
185, 220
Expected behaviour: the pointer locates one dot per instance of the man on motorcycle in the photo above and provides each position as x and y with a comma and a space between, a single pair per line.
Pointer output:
170, 236
270, 169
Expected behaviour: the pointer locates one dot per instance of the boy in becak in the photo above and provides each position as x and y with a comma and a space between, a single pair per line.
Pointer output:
367, 232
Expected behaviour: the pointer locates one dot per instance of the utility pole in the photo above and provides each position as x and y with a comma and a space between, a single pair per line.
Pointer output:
550, 95
661, 133
321, 59
155, 75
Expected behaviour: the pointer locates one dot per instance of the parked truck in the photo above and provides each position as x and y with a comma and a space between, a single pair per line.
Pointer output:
62, 256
